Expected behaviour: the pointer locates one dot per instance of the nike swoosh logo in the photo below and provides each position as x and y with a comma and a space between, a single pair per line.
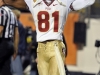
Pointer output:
55, 4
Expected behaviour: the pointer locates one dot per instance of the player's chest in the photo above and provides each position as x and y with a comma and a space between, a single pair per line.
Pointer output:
45, 8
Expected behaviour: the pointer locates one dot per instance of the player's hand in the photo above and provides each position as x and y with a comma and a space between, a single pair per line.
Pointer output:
15, 55
36, 60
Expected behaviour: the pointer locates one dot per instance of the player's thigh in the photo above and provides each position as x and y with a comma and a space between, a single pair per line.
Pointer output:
53, 67
42, 65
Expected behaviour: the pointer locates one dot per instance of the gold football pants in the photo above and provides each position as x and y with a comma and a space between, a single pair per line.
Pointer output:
50, 56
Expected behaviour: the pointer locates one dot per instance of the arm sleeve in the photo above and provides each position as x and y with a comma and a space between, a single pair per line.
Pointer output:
79, 4
3, 17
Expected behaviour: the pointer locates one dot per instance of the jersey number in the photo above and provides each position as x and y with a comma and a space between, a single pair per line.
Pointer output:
46, 22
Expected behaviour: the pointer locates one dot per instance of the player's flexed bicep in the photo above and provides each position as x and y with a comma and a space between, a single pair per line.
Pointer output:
79, 4
44, 23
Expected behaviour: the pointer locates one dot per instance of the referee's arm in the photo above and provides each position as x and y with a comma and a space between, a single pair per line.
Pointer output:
1, 29
16, 42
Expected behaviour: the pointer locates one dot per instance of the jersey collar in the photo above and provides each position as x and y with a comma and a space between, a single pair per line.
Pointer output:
39, 1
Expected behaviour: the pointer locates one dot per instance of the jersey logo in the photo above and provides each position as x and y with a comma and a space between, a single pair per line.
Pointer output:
48, 8
55, 4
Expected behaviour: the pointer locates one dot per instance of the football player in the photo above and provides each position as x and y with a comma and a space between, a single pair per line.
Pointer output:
49, 18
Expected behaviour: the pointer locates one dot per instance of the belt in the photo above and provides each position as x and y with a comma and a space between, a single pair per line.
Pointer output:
47, 41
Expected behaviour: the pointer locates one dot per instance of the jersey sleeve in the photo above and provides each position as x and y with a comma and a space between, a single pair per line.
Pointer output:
79, 4
3, 17
69, 3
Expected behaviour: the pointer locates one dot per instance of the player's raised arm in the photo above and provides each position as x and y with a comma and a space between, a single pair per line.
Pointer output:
79, 4
16, 3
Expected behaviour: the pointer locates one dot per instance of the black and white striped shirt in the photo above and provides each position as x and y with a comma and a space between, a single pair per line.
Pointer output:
8, 21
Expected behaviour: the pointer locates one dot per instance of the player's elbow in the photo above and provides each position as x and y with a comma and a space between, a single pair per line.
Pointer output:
16, 33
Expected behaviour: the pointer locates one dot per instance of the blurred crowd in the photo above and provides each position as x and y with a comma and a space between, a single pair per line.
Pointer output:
26, 60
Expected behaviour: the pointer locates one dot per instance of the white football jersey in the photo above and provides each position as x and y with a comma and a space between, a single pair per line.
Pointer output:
49, 19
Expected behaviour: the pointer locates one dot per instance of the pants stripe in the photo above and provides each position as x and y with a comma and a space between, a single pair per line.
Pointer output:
59, 61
